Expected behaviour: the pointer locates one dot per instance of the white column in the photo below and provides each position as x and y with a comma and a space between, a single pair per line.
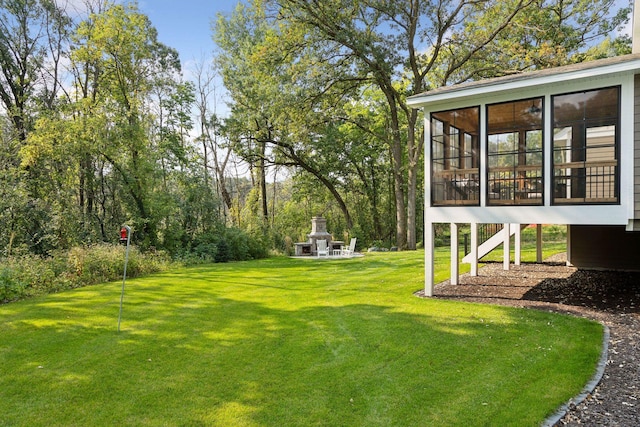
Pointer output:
507, 236
517, 243
428, 258
483, 155
569, 246
455, 259
547, 151
474, 248
538, 243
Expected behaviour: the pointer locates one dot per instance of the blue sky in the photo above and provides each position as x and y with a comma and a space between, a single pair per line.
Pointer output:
186, 24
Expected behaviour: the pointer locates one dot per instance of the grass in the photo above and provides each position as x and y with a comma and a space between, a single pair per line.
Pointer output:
283, 342
527, 253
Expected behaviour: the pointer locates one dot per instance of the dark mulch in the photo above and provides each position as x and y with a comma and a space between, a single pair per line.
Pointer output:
608, 291
612, 298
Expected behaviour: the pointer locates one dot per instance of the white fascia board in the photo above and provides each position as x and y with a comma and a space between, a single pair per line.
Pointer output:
574, 214
523, 83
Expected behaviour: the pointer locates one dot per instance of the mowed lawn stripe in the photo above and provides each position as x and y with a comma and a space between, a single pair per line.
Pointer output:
286, 342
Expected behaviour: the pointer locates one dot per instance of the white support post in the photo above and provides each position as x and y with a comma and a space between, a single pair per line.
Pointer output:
507, 236
455, 258
569, 246
474, 249
428, 259
127, 229
538, 243
517, 244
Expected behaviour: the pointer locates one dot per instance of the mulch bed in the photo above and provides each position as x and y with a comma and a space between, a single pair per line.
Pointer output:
612, 298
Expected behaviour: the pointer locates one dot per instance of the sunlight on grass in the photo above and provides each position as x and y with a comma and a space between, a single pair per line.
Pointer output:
234, 414
286, 342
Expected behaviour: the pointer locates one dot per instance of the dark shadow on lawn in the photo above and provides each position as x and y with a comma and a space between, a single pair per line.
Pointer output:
287, 263
206, 352
333, 356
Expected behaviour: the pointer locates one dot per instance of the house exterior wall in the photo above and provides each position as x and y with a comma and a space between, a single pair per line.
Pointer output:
604, 248
612, 214
599, 234
636, 155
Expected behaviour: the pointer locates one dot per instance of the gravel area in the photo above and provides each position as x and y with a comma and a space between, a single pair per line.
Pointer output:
612, 298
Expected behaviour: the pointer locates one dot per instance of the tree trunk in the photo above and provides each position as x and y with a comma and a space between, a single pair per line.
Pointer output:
414, 150
263, 184
398, 190
398, 170
328, 184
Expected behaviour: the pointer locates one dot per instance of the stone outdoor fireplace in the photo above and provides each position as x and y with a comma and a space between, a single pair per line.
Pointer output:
318, 232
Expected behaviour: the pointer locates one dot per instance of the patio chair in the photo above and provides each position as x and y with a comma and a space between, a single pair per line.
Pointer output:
322, 248
351, 249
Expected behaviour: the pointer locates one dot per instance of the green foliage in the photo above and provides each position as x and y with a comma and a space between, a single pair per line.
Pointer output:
324, 85
102, 263
97, 121
11, 288
550, 233
227, 244
506, 37
116, 148
29, 275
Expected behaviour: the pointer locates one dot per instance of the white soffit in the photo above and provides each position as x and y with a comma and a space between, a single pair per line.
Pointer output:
518, 82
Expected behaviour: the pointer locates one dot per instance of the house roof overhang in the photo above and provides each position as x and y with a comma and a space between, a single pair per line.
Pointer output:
585, 70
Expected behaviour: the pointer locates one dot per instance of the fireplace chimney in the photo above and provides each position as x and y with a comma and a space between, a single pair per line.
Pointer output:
318, 232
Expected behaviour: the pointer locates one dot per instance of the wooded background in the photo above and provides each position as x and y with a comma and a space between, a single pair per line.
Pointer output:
99, 126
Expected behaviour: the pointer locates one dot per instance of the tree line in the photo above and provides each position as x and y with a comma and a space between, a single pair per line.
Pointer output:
99, 126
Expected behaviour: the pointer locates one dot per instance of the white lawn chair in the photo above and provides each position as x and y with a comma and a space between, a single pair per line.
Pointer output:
351, 249
322, 248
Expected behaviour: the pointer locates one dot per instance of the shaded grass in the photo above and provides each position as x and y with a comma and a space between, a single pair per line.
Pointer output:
554, 241
528, 252
286, 342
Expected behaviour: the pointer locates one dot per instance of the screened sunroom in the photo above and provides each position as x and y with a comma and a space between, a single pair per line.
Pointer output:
548, 147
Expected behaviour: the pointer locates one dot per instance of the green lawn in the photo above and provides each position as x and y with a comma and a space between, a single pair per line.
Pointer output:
284, 342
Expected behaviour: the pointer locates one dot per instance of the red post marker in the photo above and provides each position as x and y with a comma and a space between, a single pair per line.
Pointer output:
123, 235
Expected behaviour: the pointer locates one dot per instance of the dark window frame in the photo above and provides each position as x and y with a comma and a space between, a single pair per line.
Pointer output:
463, 189
584, 125
517, 168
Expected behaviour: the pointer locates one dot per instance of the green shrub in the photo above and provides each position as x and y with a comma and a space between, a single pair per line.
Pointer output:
103, 263
223, 254
10, 287
26, 276
30, 275
231, 244
258, 247
203, 250
236, 243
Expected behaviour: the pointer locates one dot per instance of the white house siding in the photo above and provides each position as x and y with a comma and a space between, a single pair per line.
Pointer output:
612, 247
597, 231
606, 214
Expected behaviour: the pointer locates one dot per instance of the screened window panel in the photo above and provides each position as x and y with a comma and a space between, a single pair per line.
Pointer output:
454, 152
514, 153
586, 147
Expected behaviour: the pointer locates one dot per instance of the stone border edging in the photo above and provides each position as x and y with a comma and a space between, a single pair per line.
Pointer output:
588, 389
